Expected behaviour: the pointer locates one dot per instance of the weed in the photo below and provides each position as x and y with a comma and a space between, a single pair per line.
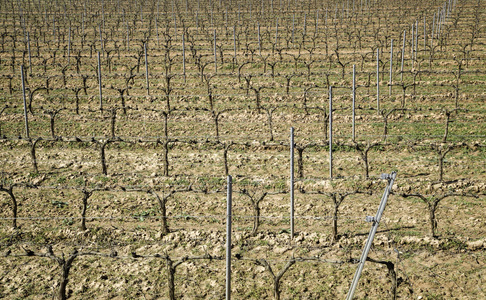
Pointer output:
59, 204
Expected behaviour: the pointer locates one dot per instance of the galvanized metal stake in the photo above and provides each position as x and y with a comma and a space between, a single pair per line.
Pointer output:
30, 56
330, 132
412, 40
259, 41
375, 222
354, 102
228, 237
293, 27
403, 55
69, 46
378, 80
101, 42
234, 40
128, 36
215, 54
391, 68
99, 81
432, 35
292, 183
416, 39
425, 34
184, 54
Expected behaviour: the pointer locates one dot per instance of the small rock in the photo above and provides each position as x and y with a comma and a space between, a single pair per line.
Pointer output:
260, 269
476, 245
280, 250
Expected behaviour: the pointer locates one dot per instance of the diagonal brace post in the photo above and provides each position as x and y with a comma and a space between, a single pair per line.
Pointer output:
374, 227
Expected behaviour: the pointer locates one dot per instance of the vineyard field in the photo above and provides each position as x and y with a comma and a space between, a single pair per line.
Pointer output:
121, 122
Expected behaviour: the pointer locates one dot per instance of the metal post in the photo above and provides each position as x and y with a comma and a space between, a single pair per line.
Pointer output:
103, 14
354, 102
101, 42
412, 39
391, 68
25, 102
403, 55
259, 41
416, 39
292, 183
184, 54
146, 68
175, 25
234, 40
325, 21
378, 80
375, 222
439, 22
330, 132
215, 55
425, 34
293, 27
99, 81
69, 46
128, 36
30, 56
228, 237
432, 35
